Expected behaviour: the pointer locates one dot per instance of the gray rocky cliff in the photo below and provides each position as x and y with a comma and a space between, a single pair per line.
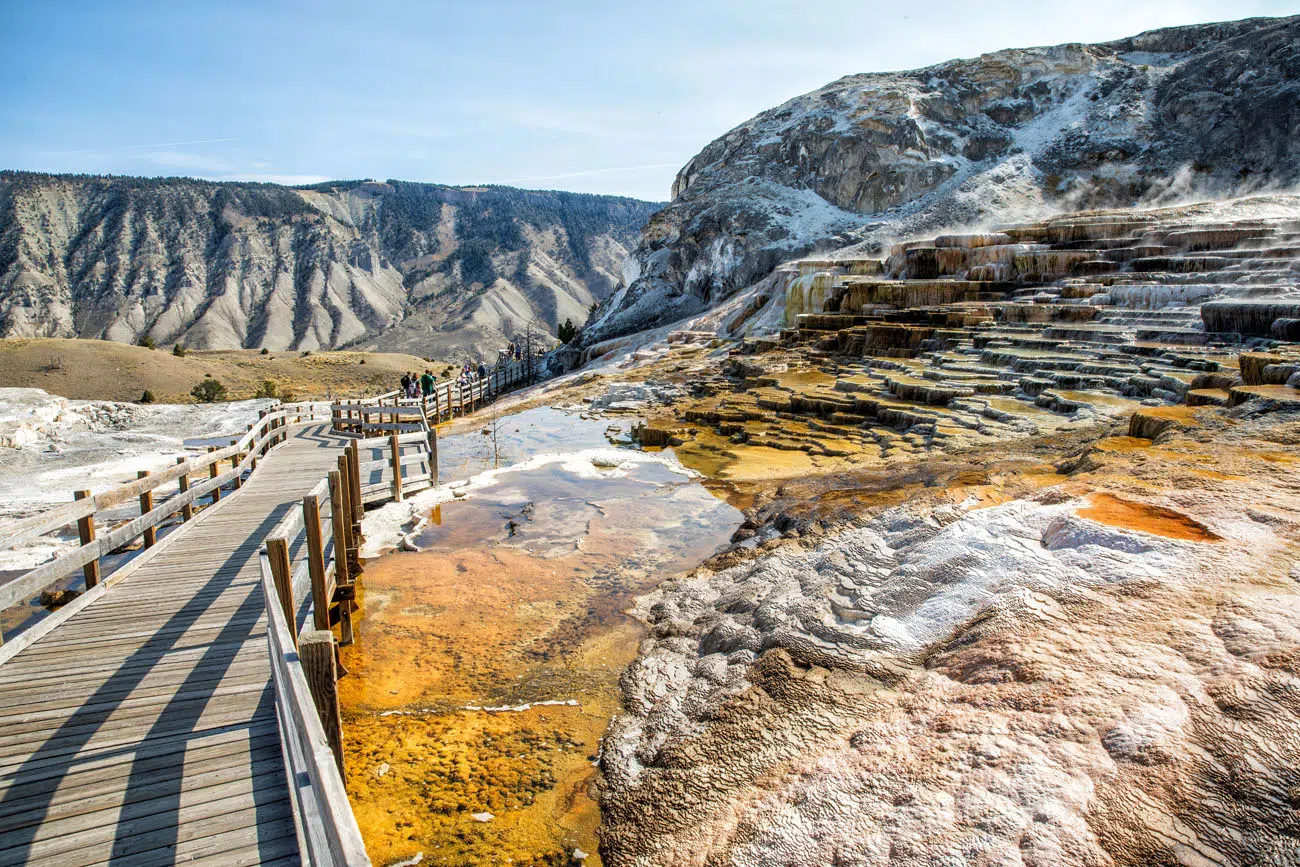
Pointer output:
1207, 109
417, 267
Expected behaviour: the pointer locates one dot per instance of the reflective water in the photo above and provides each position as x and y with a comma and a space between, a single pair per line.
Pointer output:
486, 666
513, 439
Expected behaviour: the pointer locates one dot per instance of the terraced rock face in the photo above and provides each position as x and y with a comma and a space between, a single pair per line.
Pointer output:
1018, 580
917, 352
875, 157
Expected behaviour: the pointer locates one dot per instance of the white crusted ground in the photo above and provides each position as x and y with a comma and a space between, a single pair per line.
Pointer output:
953, 685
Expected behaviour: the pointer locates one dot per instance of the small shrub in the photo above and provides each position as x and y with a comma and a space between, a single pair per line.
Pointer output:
287, 395
266, 388
146, 342
362, 361
265, 351
567, 331
147, 397
305, 353
209, 391
178, 350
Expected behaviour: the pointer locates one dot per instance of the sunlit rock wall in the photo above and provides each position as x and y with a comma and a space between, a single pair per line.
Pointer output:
1209, 109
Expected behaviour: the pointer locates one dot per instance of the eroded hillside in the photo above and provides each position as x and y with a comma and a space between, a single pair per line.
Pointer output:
395, 266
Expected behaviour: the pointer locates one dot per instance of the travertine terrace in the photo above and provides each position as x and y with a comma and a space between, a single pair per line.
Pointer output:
1026, 329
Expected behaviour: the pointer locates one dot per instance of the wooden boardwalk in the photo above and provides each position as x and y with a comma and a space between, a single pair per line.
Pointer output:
142, 730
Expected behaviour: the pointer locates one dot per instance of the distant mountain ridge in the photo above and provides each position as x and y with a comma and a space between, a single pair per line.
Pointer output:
1210, 109
392, 265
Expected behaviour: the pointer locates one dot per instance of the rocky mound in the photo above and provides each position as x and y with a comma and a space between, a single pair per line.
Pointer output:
870, 158
1101, 671
437, 270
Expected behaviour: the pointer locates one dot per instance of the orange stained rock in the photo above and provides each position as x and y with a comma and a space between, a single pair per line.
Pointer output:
1123, 444
1156, 520
1185, 415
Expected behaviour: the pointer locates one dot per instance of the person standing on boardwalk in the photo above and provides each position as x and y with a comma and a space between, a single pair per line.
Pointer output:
406, 385
427, 383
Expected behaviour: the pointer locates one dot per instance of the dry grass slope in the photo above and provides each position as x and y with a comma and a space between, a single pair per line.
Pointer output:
104, 370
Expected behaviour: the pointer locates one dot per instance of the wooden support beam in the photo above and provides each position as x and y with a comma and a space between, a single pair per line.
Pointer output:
339, 524
316, 651
395, 447
183, 483
214, 470
277, 553
234, 465
433, 455
86, 530
350, 539
340, 513
146, 506
320, 599
354, 479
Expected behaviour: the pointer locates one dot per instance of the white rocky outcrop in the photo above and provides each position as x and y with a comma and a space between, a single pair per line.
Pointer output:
1011, 135
1017, 684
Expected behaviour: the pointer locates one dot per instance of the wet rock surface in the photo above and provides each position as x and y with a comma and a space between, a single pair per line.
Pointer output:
1099, 671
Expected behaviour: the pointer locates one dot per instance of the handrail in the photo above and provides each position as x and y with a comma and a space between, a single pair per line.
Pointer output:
303, 673
328, 834
352, 417
243, 455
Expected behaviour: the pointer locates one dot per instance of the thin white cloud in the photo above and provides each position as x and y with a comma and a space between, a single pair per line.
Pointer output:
176, 144
583, 174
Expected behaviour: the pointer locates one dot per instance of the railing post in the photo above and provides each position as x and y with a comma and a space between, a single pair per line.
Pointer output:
354, 478
234, 465
277, 553
86, 530
146, 506
320, 601
339, 524
183, 487
349, 509
395, 447
213, 471
338, 510
433, 456
316, 652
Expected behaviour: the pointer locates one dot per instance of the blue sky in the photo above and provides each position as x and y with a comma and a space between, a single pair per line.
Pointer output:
606, 97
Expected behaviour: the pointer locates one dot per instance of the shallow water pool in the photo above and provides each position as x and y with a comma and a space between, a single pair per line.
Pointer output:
486, 665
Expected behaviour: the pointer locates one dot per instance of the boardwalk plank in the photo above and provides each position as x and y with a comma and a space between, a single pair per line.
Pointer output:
140, 729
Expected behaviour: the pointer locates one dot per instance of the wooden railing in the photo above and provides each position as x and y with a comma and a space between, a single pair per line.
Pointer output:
166, 499
393, 412
309, 565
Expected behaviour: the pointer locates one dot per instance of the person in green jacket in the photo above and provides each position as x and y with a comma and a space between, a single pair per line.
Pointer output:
427, 383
